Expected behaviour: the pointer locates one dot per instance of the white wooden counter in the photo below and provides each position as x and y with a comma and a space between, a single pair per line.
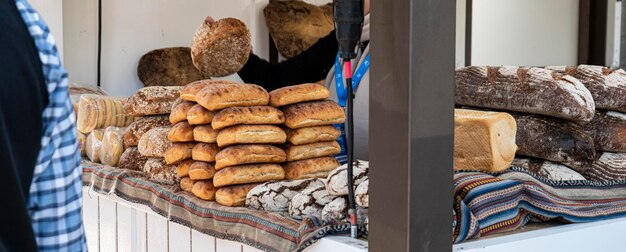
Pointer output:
113, 224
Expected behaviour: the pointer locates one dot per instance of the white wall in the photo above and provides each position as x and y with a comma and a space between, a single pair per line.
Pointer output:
529, 32
132, 28
52, 12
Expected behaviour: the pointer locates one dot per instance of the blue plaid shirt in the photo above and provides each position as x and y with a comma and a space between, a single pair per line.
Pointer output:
55, 198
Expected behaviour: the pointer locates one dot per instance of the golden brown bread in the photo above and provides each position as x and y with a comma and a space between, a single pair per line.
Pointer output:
233, 196
256, 115
186, 184
205, 134
198, 115
201, 170
178, 152
204, 190
155, 100
221, 48
306, 151
182, 169
249, 154
204, 152
310, 114
181, 132
245, 174
179, 112
310, 168
154, 142
221, 96
312, 134
142, 125
251, 134
189, 91
298, 93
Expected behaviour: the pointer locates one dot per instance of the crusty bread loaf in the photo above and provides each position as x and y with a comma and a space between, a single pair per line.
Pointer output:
221, 96
97, 112
316, 113
182, 168
312, 134
189, 91
608, 130
201, 170
204, 152
221, 48
233, 196
245, 174
204, 190
168, 67
154, 100
337, 180
298, 93
205, 134
251, 134
93, 144
186, 184
142, 125
159, 172
181, 132
546, 169
179, 112
310, 168
198, 115
256, 115
249, 154
131, 159
275, 196
112, 146
529, 90
483, 141
178, 152
314, 150
361, 193
154, 142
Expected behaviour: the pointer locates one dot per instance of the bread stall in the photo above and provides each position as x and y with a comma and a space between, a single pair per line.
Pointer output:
181, 155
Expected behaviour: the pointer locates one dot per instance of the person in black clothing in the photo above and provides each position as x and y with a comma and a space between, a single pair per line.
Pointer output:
23, 97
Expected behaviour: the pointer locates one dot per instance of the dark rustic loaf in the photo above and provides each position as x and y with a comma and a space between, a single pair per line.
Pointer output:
607, 86
168, 67
608, 130
221, 48
555, 140
547, 169
275, 196
609, 166
142, 125
154, 100
133, 160
529, 90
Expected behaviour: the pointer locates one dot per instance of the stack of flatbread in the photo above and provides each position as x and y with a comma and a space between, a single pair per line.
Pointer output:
311, 136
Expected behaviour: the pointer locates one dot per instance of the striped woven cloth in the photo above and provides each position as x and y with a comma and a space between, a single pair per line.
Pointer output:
264, 230
493, 203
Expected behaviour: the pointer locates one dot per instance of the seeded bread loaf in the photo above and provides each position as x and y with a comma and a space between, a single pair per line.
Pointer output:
221, 48
154, 100
159, 172
131, 159
154, 143
135, 130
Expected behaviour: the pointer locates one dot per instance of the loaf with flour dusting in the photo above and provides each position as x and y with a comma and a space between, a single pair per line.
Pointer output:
159, 172
609, 166
221, 48
131, 159
154, 100
310, 201
547, 169
142, 125
608, 130
276, 196
154, 143
337, 182
530, 90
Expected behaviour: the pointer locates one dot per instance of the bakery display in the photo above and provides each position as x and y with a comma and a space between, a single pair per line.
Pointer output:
233, 195
251, 134
246, 174
154, 143
181, 132
310, 168
179, 111
98, 112
297, 94
276, 196
608, 130
201, 170
316, 113
314, 150
312, 134
221, 96
189, 91
178, 152
198, 115
154, 100
221, 48
256, 115
142, 125
483, 141
112, 146
168, 67
249, 154
204, 152
529, 90
205, 134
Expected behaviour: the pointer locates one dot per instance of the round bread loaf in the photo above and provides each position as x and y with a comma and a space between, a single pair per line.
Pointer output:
131, 159
316, 113
198, 115
310, 168
221, 48
179, 111
159, 172
168, 67
204, 190
188, 92
181, 132
233, 195
154, 142
153, 100
255, 115
204, 152
221, 96
245, 174
201, 170
251, 134
142, 125
336, 210
186, 184
314, 150
337, 180
275, 196
312, 134
310, 201
298, 93
249, 154
182, 169
205, 134
178, 152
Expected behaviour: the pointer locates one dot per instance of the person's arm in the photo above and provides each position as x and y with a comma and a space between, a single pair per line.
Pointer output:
311, 65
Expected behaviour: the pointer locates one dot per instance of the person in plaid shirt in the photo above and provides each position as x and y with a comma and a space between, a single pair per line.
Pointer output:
39, 155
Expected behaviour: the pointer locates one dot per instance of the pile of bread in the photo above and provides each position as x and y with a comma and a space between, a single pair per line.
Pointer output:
565, 123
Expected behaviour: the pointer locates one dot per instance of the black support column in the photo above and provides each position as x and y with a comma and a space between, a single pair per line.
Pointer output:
411, 125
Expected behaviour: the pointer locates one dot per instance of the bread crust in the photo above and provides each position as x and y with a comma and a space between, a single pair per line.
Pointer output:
233, 196
310, 168
253, 115
198, 115
221, 48
154, 142
204, 190
221, 96
314, 150
310, 114
312, 134
251, 134
204, 152
178, 152
249, 154
246, 174
298, 93
155, 100
201, 170
181, 132
189, 91
182, 169
205, 134
135, 130
186, 184
179, 112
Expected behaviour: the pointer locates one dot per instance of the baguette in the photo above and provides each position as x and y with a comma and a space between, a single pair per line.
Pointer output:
311, 114
298, 93
251, 134
247, 115
221, 96
314, 150
246, 174
249, 154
